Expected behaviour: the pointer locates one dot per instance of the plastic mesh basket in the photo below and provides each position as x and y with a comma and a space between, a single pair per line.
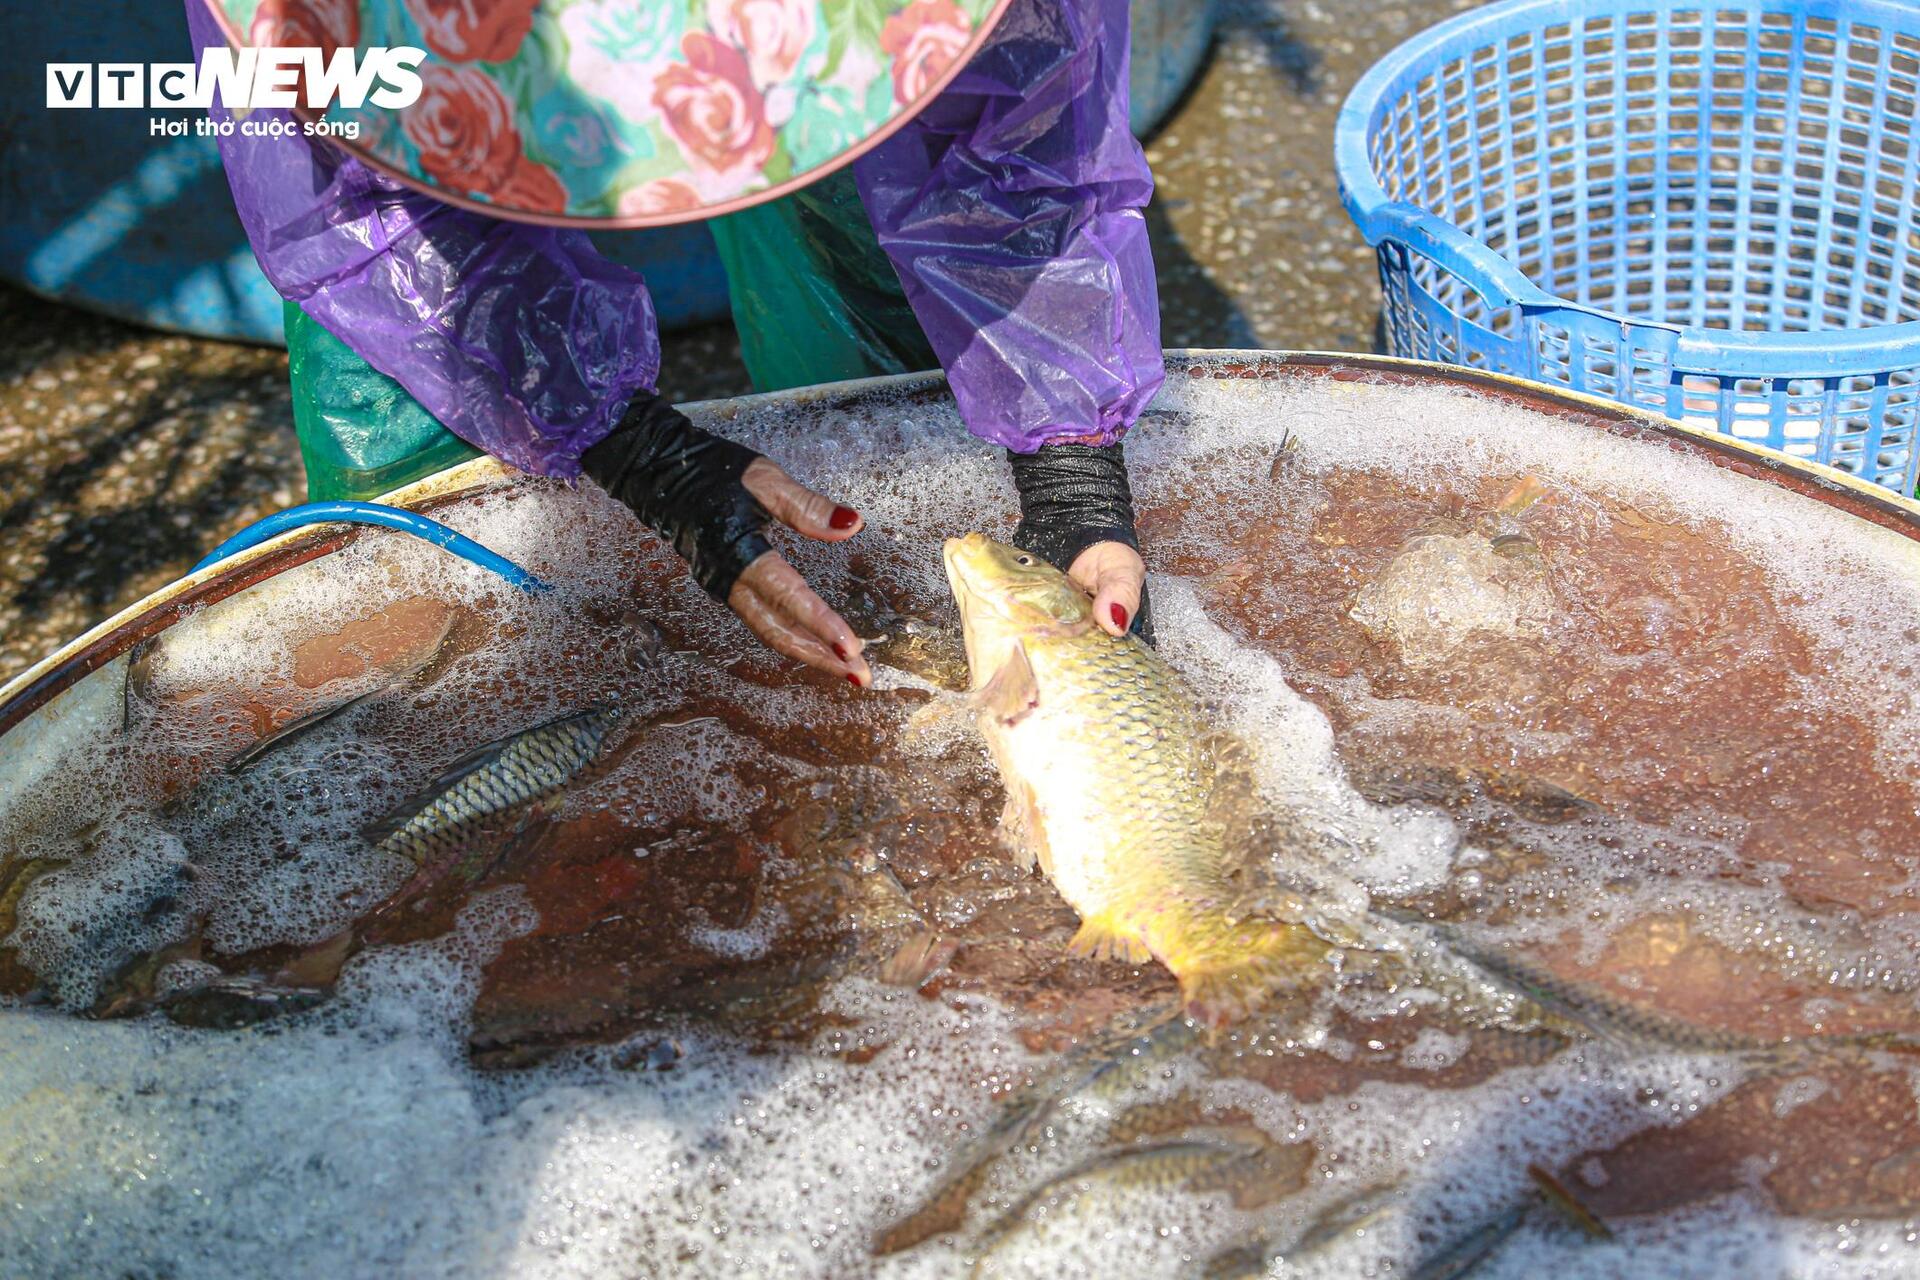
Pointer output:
1712, 212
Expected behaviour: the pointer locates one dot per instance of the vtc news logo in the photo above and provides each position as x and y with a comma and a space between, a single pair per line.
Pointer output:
245, 80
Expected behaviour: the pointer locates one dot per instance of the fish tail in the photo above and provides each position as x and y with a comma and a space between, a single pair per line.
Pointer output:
1102, 937
1242, 972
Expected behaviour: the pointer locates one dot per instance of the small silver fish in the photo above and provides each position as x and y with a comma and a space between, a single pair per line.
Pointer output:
1102, 1068
530, 767
1253, 1256
1462, 1257
288, 734
1611, 1020
1465, 1255
232, 1003
1182, 1164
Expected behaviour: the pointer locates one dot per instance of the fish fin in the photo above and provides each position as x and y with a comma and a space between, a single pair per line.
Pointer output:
295, 729
1102, 938
1526, 491
931, 722
917, 959
1253, 830
1234, 803
319, 965
1012, 692
1022, 831
1263, 957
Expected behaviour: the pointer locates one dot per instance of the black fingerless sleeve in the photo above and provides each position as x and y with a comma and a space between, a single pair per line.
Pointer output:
685, 484
1072, 496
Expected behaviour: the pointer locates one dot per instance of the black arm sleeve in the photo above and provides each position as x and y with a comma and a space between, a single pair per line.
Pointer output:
1072, 496
685, 484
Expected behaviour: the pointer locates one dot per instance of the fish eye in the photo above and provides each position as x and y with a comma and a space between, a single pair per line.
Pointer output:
1023, 559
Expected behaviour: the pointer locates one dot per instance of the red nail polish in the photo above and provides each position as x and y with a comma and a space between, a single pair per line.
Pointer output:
843, 518
1119, 616
853, 679
839, 651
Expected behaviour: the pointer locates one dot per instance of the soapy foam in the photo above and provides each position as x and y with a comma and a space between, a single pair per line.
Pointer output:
358, 1139
1843, 579
1297, 767
1853, 591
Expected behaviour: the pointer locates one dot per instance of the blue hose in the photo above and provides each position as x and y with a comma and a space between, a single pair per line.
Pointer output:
386, 517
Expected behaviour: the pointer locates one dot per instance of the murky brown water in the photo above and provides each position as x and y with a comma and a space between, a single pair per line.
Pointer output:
1663, 719
1666, 785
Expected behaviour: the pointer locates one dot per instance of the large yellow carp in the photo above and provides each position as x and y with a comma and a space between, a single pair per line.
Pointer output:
1111, 776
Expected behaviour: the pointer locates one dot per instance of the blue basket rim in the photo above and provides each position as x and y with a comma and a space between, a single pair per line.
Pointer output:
1738, 352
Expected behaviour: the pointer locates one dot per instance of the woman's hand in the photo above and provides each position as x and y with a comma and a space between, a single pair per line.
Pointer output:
1115, 576
775, 601
713, 500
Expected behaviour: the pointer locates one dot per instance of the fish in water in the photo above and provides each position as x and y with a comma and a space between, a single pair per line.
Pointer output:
1199, 1165
1115, 787
1110, 774
292, 732
1463, 1256
1466, 1255
1350, 1216
529, 768
230, 1003
137, 904
1601, 1016
1101, 1069
17, 875
146, 906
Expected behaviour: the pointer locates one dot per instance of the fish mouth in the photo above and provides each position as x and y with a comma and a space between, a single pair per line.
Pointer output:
956, 553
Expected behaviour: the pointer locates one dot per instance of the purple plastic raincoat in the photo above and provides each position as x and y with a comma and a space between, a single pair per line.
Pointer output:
1010, 208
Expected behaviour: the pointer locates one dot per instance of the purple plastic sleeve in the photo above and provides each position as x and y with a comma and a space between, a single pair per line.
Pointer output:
1011, 208
522, 340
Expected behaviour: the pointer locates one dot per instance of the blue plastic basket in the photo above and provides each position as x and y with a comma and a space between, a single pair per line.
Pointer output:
1712, 212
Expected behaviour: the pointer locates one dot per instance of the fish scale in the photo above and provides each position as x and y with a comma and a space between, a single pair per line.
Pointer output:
1110, 776
530, 767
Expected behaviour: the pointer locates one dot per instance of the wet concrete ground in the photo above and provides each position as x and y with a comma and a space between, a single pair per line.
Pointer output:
126, 455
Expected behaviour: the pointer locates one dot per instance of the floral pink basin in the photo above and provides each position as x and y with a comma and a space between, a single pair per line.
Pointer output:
632, 113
